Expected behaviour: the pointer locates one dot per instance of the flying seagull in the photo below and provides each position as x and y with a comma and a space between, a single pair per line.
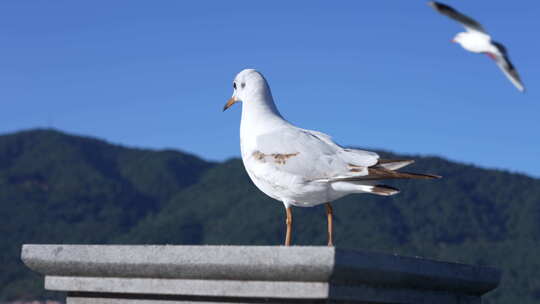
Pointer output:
301, 167
477, 40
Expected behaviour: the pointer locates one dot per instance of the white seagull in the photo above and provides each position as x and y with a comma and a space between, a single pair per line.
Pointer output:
301, 167
477, 40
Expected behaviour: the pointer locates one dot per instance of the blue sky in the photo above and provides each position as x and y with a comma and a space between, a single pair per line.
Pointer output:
373, 74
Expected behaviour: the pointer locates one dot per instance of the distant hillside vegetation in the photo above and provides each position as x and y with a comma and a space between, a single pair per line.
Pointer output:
59, 188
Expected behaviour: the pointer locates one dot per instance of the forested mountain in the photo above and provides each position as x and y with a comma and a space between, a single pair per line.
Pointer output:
59, 188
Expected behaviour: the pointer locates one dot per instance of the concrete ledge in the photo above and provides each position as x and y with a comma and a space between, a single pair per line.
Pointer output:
249, 274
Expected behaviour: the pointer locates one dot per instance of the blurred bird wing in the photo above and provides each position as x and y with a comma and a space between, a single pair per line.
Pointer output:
469, 23
504, 63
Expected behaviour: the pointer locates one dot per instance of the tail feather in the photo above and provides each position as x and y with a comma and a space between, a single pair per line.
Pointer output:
384, 190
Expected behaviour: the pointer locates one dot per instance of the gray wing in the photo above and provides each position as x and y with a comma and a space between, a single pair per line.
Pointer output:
311, 155
504, 63
468, 22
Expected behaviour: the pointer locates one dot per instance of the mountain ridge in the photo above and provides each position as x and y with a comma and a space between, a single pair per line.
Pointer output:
74, 189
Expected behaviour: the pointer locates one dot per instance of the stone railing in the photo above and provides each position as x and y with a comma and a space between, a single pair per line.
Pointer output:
99, 274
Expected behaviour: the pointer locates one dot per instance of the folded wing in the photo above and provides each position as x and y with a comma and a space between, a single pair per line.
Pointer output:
311, 155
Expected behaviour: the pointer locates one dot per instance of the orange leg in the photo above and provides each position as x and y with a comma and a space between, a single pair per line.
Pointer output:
329, 214
288, 221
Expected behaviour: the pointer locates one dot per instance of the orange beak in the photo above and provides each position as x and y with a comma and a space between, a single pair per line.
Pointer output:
230, 102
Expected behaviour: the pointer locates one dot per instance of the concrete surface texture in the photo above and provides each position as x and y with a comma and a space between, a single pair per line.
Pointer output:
252, 274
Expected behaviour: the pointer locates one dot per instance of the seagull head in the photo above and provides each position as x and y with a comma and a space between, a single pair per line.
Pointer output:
459, 38
248, 85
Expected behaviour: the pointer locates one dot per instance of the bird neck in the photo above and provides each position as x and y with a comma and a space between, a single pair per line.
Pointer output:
260, 115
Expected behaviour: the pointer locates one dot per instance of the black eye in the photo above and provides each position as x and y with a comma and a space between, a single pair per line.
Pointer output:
243, 85
234, 85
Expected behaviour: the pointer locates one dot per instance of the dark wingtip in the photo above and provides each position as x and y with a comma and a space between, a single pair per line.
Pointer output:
431, 176
433, 4
422, 175
440, 7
